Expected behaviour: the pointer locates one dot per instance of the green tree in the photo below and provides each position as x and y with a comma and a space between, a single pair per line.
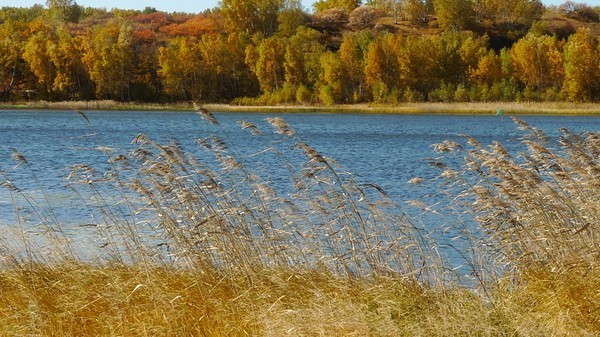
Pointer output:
456, 54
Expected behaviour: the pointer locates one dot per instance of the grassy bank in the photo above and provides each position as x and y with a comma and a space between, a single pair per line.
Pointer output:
203, 244
514, 108
84, 300
491, 108
96, 105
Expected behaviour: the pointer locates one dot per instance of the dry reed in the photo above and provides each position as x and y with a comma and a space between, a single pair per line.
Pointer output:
535, 209
205, 245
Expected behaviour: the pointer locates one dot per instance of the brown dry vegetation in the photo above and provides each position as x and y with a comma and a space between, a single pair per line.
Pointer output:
84, 300
516, 108
269, 52
216, 252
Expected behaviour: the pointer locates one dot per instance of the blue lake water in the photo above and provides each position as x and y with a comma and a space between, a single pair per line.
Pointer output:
386, 150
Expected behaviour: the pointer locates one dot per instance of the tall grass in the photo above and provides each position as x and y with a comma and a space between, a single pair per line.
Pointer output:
204, 244
539, 208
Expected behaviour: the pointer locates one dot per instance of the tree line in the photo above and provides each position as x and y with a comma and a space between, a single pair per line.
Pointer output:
274, 51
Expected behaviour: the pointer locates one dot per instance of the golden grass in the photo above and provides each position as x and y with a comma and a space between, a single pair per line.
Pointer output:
537, 208
214, 251
549, 108
95, 105
488, 108
86, 300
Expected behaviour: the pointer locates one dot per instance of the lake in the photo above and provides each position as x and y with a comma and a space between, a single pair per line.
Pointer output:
387, 150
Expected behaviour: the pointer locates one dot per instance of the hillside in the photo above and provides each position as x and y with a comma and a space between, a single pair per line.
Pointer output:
270, 52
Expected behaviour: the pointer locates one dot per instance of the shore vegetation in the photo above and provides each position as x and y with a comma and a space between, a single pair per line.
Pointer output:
272, 52
207, 246
481, 108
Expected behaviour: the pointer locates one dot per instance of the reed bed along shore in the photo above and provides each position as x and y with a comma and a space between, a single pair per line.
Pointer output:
510, 108
86, 300
486, 108
96, 105
204, 245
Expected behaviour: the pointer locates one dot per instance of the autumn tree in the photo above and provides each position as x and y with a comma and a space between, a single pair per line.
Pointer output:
35, 53
268, 14
417, 63
252, 16
331, 79
454, 14
415, 11
11, 67
374, 70
267, 63
488, 69
582, 67
538, 61
64, 10
108, 58
302, 59
352, 53
346, 5
512, 17
70, 74
226, 75
53, 57
381, 66
291, 18
428, 61
395, 7
240, 15
181, 69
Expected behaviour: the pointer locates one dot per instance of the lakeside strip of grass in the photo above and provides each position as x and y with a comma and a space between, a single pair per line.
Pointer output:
84, 300
509, 108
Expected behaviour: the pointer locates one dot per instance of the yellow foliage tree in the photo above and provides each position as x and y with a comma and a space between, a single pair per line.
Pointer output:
538, 61
582, 67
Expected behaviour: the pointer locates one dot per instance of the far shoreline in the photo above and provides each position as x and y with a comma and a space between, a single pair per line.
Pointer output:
473, 108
